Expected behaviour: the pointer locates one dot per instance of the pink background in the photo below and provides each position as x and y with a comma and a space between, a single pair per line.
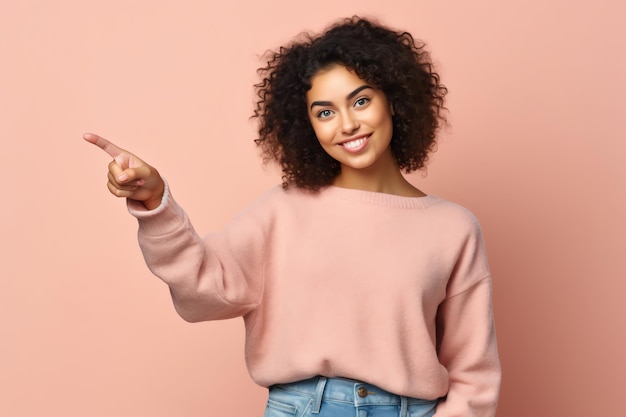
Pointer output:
535, 150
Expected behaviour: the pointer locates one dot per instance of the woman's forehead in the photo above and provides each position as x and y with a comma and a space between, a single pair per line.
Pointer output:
335, 80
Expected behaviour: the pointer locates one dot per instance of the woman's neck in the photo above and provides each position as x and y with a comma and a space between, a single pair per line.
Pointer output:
383, 178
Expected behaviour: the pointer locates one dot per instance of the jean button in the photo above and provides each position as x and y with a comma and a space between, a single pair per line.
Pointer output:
362, 392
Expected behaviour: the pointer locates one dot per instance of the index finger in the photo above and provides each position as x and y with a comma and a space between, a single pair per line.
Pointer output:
102, 143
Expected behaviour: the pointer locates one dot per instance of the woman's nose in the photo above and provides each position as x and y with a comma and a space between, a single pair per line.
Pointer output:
349, 123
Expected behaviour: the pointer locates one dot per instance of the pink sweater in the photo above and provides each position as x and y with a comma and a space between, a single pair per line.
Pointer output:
390, 290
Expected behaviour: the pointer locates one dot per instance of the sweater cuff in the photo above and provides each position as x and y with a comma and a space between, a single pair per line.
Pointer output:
164, 219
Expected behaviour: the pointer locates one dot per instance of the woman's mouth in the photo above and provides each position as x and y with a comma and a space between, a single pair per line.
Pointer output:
356, 145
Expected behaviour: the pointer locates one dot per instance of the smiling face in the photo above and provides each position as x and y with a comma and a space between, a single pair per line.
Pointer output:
352, 121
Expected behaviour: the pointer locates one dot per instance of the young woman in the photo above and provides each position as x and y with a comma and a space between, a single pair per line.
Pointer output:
361, 295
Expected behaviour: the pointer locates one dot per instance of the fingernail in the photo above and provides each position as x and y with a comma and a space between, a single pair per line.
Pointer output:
122, 177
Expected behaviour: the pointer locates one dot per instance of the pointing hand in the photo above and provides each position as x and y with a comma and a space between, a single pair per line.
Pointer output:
129, 176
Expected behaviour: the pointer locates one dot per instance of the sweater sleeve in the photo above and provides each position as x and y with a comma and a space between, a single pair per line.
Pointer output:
216, 277
466, 337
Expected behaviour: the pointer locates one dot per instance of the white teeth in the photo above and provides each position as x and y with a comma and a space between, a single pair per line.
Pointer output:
354, 144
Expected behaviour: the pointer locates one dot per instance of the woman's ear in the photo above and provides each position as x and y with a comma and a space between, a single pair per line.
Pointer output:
391, 109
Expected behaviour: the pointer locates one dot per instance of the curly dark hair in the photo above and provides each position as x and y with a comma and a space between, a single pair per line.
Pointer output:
392, 61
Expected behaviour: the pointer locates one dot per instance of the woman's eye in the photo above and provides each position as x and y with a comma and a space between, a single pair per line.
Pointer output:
324, 114
361, 102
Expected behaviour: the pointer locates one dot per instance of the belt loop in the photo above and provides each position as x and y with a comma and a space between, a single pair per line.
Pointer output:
319, 393
404, 406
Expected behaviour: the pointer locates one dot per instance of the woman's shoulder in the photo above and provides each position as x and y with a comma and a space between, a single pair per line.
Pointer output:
455, 215
270, 202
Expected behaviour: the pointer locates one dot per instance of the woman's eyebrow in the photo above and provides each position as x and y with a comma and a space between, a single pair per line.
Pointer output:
357, 91
348, 97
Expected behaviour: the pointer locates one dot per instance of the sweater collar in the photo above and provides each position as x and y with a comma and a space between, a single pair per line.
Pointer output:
371, 197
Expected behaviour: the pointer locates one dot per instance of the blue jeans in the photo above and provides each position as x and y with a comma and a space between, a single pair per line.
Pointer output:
338, 397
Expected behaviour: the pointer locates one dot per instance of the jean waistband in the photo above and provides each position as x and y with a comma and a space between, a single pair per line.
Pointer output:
347, 390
